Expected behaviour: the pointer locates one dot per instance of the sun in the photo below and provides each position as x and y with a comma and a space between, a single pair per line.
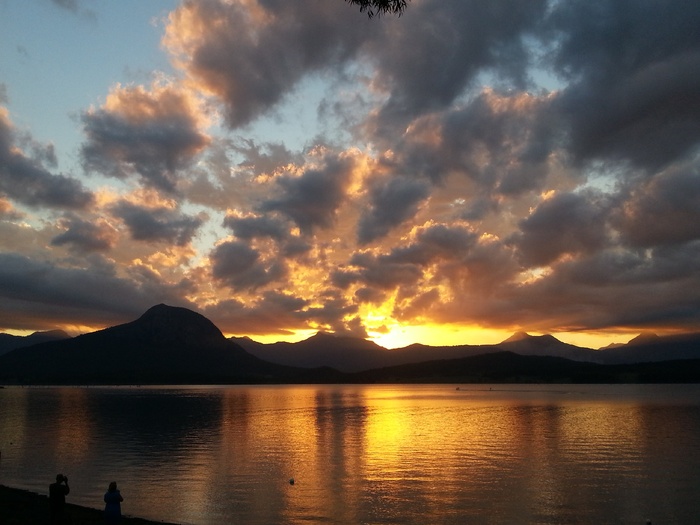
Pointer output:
399, 336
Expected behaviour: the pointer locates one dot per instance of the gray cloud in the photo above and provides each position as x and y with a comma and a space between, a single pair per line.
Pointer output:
276, 43
438, 48
392, 202
634, 79
662, 210
157, 224
242, 267
26, 180
566, 224
84, 236
153, 134
248, 228
502, 143
39, 293
311, 199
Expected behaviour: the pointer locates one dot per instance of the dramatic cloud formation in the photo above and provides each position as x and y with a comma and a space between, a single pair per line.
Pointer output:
151, 133
500, 165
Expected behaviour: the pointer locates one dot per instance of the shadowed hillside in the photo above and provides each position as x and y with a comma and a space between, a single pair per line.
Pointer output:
165, 345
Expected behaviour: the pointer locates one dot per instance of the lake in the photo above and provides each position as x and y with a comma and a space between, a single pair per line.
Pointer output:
404, 454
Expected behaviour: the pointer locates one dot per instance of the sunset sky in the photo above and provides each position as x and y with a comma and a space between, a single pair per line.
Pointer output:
452, 175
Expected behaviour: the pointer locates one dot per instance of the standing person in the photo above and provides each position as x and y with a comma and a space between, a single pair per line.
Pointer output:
57, 499
113, 508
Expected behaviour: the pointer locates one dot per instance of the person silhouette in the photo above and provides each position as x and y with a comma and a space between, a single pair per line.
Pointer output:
113, 508
57, 500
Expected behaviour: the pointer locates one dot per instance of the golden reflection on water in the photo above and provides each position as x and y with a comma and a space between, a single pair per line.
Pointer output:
361, 454
75, 430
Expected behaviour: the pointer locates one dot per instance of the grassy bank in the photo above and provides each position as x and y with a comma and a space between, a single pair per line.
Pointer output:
21, 507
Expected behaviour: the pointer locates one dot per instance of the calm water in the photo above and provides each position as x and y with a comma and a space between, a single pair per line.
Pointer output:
427, 454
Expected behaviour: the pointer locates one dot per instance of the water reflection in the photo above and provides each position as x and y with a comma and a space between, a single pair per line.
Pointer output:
360, 454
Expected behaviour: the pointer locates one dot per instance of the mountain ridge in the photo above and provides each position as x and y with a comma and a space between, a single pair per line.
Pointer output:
172, 345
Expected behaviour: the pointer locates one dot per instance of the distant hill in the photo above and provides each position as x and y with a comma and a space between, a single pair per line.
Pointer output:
351, 355
650, 348
165, 345
11, 342
508, 367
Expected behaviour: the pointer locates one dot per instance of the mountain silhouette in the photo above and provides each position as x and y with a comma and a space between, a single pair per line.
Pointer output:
11, 342
165, 345
351, 355
171, 345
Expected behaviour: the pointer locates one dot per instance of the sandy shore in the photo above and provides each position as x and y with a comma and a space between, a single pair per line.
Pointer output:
21, 507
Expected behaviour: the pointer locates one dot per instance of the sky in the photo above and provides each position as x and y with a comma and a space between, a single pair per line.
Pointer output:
448, 176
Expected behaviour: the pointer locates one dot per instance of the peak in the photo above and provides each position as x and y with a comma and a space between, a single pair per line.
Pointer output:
518, 336
177, 324
541, 340
644, 339
323, 335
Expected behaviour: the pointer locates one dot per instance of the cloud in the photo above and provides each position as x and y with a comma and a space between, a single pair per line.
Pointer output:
521, 165
43, 293
312, 198
154, 134
392, 202
662, 210
437, 50
244, 268
247, 228
634, 72
157, 224
566, 224
26, 180
85, 236
276, 43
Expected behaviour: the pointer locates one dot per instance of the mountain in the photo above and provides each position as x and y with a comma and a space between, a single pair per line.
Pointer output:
351, 354
166, 345
651, 348
11, 342
170, 345
548, 345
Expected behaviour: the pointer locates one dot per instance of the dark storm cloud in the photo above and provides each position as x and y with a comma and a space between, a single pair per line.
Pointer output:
312, 199
157, 224
566, 224
633, 69
153, 134
40, 292
391, 203
243, 268
276, 43
84, 236
26, 180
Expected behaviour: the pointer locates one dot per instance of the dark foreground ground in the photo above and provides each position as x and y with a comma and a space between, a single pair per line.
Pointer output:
21, 507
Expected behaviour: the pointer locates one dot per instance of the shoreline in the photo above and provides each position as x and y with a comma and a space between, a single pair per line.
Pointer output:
20, 507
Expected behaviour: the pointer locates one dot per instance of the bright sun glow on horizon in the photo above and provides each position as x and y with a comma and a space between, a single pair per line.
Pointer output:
434, 335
